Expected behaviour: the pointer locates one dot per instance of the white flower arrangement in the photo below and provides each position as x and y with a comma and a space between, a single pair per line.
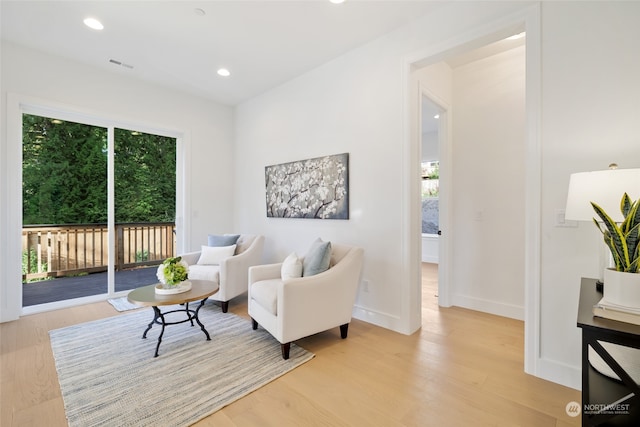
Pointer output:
173, 271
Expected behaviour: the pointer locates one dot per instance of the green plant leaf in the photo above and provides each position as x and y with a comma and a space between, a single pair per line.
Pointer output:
625, 205
611, 245
618, 243
631, 213
633, 242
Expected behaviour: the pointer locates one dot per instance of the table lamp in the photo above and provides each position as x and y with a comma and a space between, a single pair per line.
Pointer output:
604, 188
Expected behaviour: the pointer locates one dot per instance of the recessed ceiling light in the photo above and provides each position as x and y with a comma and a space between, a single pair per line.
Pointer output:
93, 23
224, 72
336, 1
199, 12
437, 116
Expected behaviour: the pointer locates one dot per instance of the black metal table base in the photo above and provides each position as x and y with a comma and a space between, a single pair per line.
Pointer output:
191, 316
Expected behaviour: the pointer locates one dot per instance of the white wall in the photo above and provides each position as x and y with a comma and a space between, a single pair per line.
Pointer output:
430, 146
430, 248
318, 115
591, 117
354, 104
207, 128
489, 143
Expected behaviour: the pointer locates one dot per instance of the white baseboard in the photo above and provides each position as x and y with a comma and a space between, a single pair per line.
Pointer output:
559, 373
493, 307
430, 259
378, 318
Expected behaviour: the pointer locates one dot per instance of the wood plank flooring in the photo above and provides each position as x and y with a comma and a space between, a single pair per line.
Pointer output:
463, 368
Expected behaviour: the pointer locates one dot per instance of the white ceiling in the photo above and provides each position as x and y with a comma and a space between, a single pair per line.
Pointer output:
263, 43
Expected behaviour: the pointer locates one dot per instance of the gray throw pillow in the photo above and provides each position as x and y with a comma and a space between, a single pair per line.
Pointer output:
226, 240
317, 258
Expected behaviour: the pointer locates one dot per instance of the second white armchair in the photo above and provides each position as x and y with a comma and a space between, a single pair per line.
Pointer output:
291, 308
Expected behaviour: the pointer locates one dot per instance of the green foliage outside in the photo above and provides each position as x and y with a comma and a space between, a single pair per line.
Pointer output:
65, 174
430, 179
30, 262
434, 172
64, 178
142, 256
145, 177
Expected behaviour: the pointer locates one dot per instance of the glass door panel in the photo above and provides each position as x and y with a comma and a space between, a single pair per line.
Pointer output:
64, 191
145, 206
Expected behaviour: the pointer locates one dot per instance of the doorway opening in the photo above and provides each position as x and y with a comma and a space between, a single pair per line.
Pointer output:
430, 114
469, 85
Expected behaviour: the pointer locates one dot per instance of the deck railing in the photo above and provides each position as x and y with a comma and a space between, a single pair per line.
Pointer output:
63, 250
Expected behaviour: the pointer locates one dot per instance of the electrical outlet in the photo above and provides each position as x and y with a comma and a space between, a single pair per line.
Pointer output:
365, 285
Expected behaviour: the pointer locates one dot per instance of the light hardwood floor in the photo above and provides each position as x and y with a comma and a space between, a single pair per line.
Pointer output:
463, 368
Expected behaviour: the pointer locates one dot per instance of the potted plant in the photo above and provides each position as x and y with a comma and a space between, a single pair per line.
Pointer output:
622, 282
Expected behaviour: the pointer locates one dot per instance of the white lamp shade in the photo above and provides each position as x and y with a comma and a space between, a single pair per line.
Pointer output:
605, 188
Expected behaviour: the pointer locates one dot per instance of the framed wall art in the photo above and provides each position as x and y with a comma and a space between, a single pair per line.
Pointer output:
313, 188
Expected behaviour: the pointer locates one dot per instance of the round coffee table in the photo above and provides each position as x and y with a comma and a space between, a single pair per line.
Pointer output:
146, 296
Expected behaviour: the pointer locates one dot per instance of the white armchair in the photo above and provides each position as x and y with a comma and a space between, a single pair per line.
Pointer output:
230, 273
293, 308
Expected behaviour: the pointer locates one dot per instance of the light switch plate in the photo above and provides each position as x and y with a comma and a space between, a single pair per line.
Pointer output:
560, 221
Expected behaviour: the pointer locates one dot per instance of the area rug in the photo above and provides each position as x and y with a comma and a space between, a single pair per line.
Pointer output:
122, 304
109, 377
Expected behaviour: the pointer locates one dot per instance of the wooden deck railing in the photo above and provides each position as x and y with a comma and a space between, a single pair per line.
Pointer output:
62, 250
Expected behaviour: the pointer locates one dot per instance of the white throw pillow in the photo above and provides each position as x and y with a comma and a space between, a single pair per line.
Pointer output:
291, 267
212, 255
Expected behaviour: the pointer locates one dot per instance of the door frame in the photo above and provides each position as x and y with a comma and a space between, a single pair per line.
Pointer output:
526, 19
10, 294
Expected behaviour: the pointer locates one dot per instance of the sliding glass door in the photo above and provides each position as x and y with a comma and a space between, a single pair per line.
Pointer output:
99, 208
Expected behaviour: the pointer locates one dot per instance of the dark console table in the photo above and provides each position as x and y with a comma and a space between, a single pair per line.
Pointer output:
606, 401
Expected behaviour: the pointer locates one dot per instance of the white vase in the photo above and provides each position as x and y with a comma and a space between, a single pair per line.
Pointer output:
622, 288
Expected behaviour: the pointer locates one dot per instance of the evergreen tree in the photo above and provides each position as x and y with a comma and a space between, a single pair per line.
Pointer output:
65, 174
145, 170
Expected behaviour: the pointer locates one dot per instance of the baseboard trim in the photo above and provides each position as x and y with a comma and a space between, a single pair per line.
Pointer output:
378, 318
493, 307
559, 373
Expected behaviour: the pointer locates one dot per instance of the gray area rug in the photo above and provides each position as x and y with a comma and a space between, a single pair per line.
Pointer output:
109, 377
122, 304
